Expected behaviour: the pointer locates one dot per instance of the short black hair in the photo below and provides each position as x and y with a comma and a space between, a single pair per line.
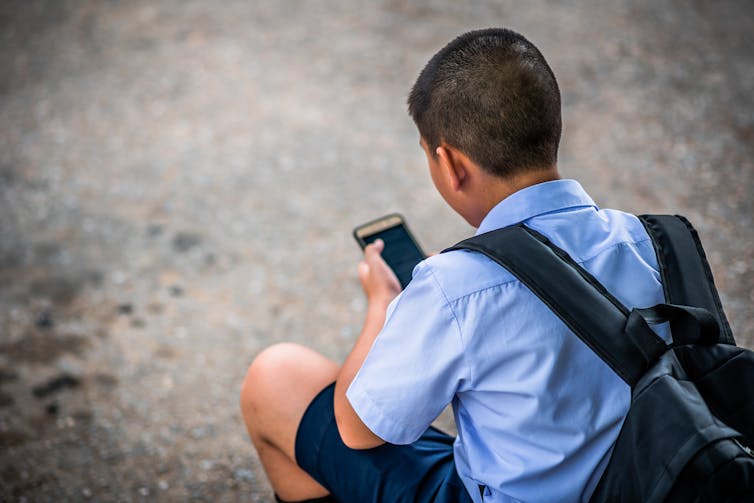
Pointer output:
491, 94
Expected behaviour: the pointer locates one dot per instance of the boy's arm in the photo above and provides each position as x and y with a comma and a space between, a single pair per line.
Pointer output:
381, 287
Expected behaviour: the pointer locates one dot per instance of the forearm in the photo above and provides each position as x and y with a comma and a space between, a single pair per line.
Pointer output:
380, 286
353, 431
373, 322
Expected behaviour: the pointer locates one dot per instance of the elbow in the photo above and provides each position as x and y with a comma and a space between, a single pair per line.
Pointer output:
351, 442
359, 443
348, 435
354, 434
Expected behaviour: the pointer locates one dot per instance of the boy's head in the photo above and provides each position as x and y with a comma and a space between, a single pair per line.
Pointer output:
490, 94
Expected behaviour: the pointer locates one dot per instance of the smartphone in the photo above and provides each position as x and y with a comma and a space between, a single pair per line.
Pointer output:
401, 251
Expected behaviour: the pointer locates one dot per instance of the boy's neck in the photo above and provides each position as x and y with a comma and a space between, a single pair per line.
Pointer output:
527, 179
500, 188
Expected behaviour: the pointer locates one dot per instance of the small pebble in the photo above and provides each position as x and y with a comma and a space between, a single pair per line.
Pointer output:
52, 408
45, 319
184, 241
55, 384
126, 308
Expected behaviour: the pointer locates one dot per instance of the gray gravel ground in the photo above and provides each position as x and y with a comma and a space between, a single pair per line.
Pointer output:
179, 179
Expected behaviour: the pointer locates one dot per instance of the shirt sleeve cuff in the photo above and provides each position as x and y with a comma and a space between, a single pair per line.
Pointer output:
373, 418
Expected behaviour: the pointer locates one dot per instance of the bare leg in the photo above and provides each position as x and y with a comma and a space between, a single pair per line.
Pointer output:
280, 383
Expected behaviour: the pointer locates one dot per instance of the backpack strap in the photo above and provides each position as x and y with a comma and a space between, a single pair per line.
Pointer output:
622, 338
686, 275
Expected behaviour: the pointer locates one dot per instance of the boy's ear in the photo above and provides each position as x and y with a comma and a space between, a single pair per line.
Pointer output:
452, 165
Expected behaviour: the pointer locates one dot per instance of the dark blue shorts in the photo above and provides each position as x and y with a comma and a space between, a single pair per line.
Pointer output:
420, 472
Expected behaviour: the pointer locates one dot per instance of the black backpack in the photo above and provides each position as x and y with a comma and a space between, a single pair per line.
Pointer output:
689, 432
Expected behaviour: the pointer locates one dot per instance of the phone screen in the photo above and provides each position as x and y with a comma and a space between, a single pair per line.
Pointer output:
401, 251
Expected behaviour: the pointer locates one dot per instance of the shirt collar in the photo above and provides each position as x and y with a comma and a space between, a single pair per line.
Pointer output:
547, 197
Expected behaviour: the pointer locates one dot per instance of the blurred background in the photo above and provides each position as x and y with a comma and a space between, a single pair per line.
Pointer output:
179, 181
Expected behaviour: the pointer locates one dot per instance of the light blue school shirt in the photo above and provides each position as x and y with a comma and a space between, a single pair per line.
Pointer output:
537, 411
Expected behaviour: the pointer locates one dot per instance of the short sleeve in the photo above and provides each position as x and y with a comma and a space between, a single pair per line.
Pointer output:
415, 366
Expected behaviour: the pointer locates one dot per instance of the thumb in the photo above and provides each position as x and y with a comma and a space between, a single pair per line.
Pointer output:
374, 250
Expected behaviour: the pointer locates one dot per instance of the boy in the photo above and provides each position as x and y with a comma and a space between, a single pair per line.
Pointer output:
537, 412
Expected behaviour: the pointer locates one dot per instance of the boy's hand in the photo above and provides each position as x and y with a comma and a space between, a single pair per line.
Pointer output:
378, 280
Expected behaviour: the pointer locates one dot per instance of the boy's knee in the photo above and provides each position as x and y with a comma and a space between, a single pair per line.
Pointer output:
268, 369
279, 384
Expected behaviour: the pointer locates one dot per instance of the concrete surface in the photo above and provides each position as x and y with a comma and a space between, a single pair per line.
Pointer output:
179, 180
